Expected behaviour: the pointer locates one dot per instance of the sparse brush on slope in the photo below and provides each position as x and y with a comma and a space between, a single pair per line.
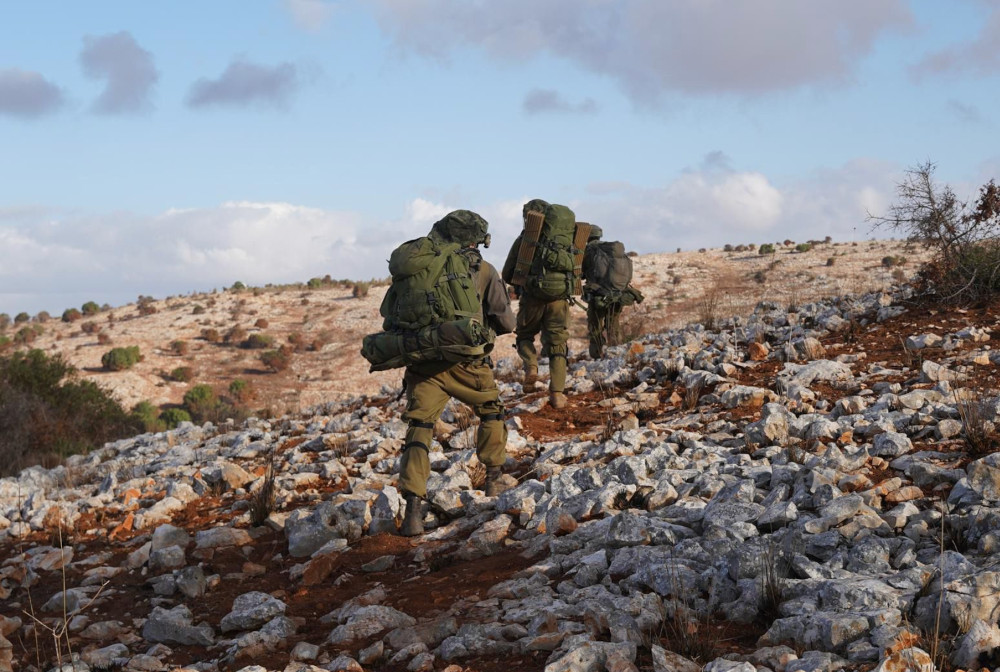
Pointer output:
45, 411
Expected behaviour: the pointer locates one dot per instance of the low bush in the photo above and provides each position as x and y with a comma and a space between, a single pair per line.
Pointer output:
830, 261
211, 335
172, 417
90, 308
262, 323
803, 247
202, 402
4, 321
179, 347
259, 342
21, 318
242, 391
42, 317
766, 248
47, 411
360, 290
103, 338
277, 360
182, 374
314, 283
148, 416
235, 335
90, 327
71, 315
237, 287
119, 359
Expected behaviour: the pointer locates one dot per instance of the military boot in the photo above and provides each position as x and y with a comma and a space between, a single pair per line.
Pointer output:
493, 485
413, 520
557, 400
530, 377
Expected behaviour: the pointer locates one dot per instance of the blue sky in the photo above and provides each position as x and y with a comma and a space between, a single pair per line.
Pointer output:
160, 148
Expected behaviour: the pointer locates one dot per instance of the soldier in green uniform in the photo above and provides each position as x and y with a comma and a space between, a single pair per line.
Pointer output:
534, 315
429, 385
607, 271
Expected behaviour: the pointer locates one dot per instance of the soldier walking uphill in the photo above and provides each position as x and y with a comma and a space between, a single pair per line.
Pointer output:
543, 264
441, 316
607, 271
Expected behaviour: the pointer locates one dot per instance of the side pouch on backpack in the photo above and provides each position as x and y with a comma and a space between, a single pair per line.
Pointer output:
455, 341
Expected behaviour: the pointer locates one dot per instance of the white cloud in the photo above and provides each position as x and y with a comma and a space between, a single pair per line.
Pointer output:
243, 83
310, 15
50, 261
651, 47
28, 95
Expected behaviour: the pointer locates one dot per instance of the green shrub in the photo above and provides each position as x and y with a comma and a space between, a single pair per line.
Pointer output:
71, 315
46, 411
90, 327
25, 335
147, 415
277, 360
259, 342
174, 416
179, 347
314, 283
766, 248
803, 247
4, 321
198, 310
119, 359
43, 317
830, 261
90, 308
237, 287
21, 318
5, 343
242, 391
182, 374
360, 290
236, 334
211, 335
201, 402
893, 260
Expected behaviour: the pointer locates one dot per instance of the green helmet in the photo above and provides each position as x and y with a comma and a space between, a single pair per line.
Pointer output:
463, 227
595, 233
534, 205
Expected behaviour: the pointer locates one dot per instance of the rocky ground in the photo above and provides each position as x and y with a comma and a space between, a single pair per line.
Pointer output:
794, 490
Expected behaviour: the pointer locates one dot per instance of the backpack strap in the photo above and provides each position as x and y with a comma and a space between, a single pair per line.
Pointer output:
579, 246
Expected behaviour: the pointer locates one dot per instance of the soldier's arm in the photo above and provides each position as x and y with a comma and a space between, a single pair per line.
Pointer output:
496, 303
508, 266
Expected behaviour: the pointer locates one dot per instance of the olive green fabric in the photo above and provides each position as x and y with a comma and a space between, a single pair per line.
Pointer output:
432, 311
463, 227
553, 270
603, 327
551, 319
534, 205
471, 383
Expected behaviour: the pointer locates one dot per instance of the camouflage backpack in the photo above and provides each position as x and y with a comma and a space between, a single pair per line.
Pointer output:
608, 266
432, 310
555, 267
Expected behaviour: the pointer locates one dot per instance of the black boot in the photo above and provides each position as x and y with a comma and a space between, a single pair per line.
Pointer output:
493, 485
413, 520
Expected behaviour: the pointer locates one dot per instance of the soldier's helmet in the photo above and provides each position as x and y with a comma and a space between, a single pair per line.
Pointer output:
463, 227
534, 205
595, 233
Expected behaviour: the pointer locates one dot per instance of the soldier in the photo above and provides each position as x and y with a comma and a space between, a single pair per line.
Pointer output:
429, 385
540, 313
607, 271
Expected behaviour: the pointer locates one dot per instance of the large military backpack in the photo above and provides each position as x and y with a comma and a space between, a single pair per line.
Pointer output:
608, 266
551, 254
431, 312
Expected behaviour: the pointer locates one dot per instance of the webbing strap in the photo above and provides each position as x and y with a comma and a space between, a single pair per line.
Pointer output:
421, 425
416, 444
553, 355
491, 416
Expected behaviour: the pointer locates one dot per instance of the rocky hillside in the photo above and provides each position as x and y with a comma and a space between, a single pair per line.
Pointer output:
794, 490
327, 323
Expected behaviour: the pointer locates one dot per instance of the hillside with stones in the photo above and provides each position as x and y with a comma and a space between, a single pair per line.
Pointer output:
324, 322
803, 489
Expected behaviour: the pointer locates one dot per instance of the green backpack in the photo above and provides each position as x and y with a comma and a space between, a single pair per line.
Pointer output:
431, 311
553, 270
